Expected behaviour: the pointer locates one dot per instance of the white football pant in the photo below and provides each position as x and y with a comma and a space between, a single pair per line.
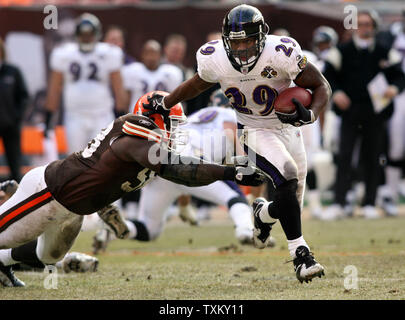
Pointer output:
279, 152
32, 213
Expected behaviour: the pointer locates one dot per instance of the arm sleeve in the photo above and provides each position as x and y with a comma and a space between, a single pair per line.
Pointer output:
206, 66
126, 73
288, 58
57, 60
115, 59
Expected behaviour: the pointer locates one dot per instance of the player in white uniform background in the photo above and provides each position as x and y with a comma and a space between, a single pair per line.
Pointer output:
396, 135
252, 69
85, 71
144, 76
149, 74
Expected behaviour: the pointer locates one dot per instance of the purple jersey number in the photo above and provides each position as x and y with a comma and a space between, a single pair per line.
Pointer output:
282, 47
262, 95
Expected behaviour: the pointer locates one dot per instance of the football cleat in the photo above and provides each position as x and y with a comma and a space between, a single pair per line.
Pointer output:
305, 265
261, 231
7, 277
79, 262
8, 188
101, 240
188, 214
110, 214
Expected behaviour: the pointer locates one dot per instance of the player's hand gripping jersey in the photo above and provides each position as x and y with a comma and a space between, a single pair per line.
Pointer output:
253, 94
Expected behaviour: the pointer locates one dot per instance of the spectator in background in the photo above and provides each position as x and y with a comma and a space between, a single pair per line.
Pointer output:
150, 74
349, 68
84, 71
13, 99
174, 51
117, 35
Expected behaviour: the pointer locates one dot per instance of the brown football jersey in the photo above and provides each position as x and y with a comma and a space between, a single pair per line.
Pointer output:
88, 180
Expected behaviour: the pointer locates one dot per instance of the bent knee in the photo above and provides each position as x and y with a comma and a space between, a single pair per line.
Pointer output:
290, 170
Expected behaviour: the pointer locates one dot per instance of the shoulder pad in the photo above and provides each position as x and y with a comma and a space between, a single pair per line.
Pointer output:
141, 126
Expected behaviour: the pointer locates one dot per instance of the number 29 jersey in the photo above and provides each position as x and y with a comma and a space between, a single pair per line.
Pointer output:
86, 76
252, 94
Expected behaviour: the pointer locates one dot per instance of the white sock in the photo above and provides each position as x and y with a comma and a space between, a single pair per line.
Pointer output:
294, 244
264, 214
241, 215
5, 257
131, 228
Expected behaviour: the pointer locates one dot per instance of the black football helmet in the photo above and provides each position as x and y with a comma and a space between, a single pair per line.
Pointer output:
242, 22
88, 31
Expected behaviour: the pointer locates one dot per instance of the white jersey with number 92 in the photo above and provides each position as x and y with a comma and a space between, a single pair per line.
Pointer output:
252, 94
86, 76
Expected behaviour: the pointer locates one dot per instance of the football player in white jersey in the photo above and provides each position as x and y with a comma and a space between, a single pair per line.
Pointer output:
211, 136
252, 69
149, 74
85, 71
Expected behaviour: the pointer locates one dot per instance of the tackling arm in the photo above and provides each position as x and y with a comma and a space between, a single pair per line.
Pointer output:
183, 170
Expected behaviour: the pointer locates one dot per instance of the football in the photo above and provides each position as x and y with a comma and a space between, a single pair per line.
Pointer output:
284, 104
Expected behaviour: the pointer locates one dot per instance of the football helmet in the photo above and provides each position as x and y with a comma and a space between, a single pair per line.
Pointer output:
325, 34
169, 124
88, 31
240, 23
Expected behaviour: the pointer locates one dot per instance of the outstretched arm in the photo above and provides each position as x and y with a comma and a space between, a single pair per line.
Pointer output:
179, 169
187, 90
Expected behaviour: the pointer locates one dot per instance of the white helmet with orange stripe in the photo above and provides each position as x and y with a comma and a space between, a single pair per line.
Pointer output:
169, 123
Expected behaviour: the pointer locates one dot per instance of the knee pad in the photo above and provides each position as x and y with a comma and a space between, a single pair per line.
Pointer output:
238, 199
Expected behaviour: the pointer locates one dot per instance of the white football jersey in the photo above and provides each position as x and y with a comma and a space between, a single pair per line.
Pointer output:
252, 94
87, 76
206, 134
140, 80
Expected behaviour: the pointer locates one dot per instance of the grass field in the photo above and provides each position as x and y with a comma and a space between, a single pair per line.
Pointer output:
205, 262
